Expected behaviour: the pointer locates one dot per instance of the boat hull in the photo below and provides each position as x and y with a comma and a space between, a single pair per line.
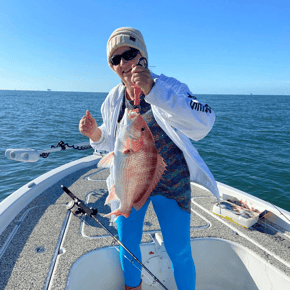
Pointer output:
43, 246
220, 265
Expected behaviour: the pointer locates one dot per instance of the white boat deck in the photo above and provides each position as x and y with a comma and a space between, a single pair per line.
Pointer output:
39, 247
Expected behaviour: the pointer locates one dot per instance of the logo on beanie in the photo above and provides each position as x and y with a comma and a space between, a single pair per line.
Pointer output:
132, 38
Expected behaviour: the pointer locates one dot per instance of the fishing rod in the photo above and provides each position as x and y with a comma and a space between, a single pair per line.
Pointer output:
280, 211
78, 208
33, 155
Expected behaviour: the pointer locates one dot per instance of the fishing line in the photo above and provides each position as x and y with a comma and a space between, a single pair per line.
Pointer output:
78, 208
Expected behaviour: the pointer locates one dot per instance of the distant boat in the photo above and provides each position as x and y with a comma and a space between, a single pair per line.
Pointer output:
49, 90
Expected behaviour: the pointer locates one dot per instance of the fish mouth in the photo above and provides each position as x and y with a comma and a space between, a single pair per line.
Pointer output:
128, 120
133, 113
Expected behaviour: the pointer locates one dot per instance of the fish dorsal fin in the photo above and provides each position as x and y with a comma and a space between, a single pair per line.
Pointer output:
107, 160
160, 168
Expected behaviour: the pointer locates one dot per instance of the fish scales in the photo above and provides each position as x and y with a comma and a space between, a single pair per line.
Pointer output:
136, 166
143, 169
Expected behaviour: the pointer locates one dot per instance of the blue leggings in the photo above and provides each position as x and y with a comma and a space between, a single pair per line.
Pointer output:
175, 227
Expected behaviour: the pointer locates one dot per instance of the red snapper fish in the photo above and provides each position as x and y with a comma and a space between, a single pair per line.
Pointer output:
136, 167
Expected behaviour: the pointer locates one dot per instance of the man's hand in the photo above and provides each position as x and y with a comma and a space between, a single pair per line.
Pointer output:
88, 127
142, 78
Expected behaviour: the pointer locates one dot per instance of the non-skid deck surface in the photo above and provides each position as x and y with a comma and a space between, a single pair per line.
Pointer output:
30, 254
262, 238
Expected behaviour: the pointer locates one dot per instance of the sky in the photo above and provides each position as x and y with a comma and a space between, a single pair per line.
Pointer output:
214, 46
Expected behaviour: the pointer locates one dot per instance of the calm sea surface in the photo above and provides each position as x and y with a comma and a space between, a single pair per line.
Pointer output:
248, 148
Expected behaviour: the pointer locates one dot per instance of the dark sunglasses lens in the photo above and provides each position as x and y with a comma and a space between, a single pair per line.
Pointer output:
116, 59
127, 55
130, 54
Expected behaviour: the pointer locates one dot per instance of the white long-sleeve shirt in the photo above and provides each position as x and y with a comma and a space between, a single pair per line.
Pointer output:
177, 112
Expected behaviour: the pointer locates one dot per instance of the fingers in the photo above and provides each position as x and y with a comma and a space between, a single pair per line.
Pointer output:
89, 116
87, 125
142, 78
85, 128
140, 70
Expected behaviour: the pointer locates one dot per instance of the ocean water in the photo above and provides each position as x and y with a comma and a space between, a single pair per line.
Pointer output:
248, 147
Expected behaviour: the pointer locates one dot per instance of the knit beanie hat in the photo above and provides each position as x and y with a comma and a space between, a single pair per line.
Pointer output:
126, 36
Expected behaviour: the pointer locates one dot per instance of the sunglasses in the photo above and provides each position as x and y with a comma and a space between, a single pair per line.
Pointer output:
127, 55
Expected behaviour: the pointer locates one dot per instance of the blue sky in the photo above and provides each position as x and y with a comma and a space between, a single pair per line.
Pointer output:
214, 46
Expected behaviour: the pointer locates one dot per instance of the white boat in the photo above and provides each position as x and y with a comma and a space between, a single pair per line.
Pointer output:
44, 246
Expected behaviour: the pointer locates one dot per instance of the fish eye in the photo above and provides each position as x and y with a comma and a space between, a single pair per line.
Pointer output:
142, 129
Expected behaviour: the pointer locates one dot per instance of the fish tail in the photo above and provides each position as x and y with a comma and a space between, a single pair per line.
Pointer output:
117, 212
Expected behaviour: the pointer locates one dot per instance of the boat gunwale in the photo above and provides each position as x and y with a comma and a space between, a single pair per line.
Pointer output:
12, 205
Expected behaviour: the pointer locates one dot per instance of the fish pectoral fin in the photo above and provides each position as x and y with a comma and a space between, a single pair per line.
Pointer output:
107, 160
112, 195
161, 167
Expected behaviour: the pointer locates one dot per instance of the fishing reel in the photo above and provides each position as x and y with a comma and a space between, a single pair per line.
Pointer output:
77, 207
74, 207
